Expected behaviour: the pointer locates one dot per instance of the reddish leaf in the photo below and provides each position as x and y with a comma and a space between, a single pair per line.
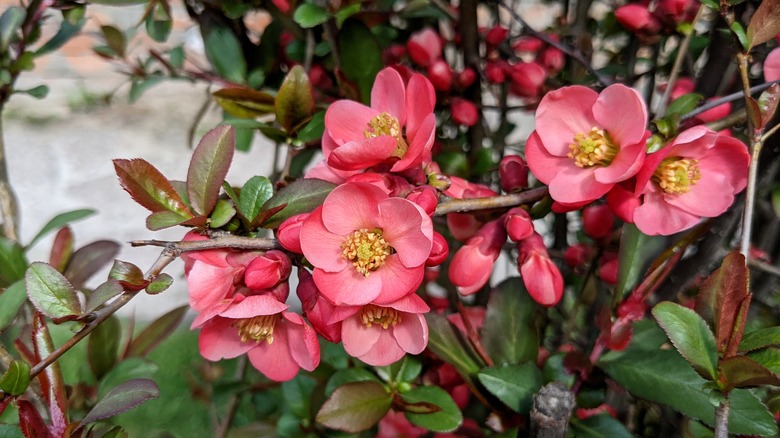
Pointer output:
754, 112
4, 404
128, 275
295, 101
738, 328
149, 187
103, 293
89, 259
50, 378
355, 407
767, 103
156, 332
720, 300
61, 249
209, 166
30, 421
244, 103
765, 23
122, 398
742, 372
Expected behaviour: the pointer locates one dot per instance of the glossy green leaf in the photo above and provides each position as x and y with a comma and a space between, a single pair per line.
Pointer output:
632, 257
365, 58
101, 294
139, 86
122, 398
51, 292
209, 166
297, 395
10, 23
766, 337
245, 103
404, 370
16, 379
510, 335
355, 407
314, 129
768, 358
446, 342
684, 104
159, 23
148, 187
224, 210
514, 385
690, 336
309, 15
66, 31
302, 196
663, 376
103, 346
742, 37
256, 192
764, 24
13, 262
445, 419
600, 426
11, 300
60, 221
295, 101
89, 259
224, 51
160, 284
165, 219
348, 375
712, 4
744, 372
156, 332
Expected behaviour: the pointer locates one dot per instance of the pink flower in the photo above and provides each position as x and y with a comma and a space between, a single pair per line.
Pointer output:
696, 176
772, 65
472, 265
289, 233
440, 75
585, 142
366, 246
424, 47
278, 343
380, 335
540, 275
398, 129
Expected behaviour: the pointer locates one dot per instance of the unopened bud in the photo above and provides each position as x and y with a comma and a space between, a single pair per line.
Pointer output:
513, 173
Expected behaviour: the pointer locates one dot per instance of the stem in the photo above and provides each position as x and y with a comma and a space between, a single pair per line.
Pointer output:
722, 419
755, 143
472, 204
727, 98
225, 241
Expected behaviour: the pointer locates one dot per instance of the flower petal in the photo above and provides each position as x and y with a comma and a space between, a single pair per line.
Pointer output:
420, 101
407, 229
411, 333
389, 94
362, 153
562, 114
208, 284
357, 338
397, 280
543, 165
626, 164
347, 120
384, 352
220, 340
275, 360
303, 344
621, 111
348, 287
352, 206
656, 216
255, 305
420, 145
320, 246
572, 185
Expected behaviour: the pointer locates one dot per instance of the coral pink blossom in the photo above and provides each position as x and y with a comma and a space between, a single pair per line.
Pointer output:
424, 47
380, 335
289, 233
540, 275
366, 246
278, 343
586, 142
214, 275
472, 265
398, 129
772, 65
696, 176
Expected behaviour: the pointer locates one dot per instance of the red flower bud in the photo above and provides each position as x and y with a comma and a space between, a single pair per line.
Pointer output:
464, 112
527, 79
578, 255
440, 75
424, 47
495, 71
439, 250
496, 35
608, 270
527, 44
267, 270
466, 78
553, 60
597, 221
425, 197
513, 173
636, 18
540, 275
519, 224
289, 233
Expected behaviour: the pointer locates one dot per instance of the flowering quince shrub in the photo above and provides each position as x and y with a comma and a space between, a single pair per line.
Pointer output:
475, 226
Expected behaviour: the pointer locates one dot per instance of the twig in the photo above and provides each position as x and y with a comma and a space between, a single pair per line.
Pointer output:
755, 143
725, 99
764, 267
575, 54
472, 204
722, 418
224, 241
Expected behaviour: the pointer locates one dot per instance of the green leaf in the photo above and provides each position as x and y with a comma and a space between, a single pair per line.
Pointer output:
297, 393
743, 372
16, 380
10, 22
445, 341
209, 166
60, 221
66, 31
122, 398
131, 368
224, 52
348, 375
768, 358
148, 187
404, 370
295, 100
159, 23
313, 130
684, 104
160, 284
301, 196
156, 332
115, 40
138, 86
13, 263
739, 32
256, 192
510, 335
245, 103
690, 336
663, 376
446, 419
514, 385
309, 15
39, 92
88, 260
346, 12
764, 24
632, 256
103, 293
600, 426
103, 346
222, 213
365, 56
766, 337
355, 407
51, 293
165, 219
11, 300
712, 4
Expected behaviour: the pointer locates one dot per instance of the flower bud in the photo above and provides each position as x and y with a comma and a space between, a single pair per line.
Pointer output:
608, 270
578, 255
267, 270
439, 250
464, 112
289, 233
637, 19
472, 264
496, 35
466, 78
527, 44
527, 79
424, 47
513, 173
317, 308
495, 71
425, 197
440, 75
540, 275
623, 202
597, 221
553, 60
519, 224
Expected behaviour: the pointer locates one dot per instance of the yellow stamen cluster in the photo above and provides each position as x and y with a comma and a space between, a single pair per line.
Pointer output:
367, 250
385, 124
259, 328
592, 148
383, 316
677, 175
